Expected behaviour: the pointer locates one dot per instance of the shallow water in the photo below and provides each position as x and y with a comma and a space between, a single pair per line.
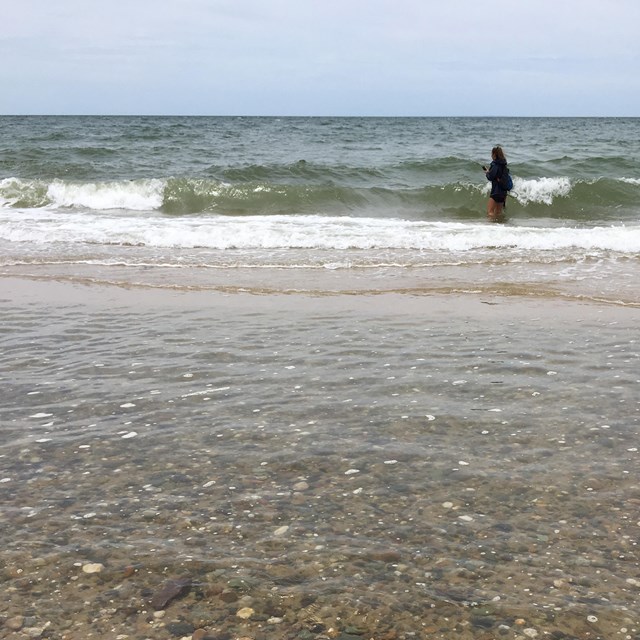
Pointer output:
371, 466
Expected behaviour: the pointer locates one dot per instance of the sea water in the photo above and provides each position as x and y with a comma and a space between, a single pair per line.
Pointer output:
290, 361
193, 198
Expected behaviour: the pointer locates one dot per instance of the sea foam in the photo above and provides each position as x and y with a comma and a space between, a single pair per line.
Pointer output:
218, 232
135, 195
540, 190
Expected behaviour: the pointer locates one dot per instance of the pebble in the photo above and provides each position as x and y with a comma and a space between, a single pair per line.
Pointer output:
245, 613
169, 590
180, 628
15, 623
300, 486
128, 571
92, 567
229, 596
280, 531
482, 621
386, 556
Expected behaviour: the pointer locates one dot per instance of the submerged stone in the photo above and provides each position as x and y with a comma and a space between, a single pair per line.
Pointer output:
170, 590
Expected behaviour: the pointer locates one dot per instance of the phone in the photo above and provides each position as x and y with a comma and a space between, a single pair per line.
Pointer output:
484, 168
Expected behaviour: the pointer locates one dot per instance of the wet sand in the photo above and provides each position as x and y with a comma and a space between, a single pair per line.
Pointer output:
201, 464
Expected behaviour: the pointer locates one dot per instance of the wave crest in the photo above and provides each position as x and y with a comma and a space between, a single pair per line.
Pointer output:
541, 190
138, 195
572, 199
133, 195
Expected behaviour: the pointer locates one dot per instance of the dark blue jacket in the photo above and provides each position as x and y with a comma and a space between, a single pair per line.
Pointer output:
495, 171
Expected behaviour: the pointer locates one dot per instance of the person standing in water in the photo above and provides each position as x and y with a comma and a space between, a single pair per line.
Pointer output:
498, 198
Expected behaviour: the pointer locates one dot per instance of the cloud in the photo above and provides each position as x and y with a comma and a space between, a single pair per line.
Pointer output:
348, 57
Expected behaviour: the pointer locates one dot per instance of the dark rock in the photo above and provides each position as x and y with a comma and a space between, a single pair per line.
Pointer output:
260, 617
390, 557
180, 628
483, 622
240, 584
170, 590
229, 596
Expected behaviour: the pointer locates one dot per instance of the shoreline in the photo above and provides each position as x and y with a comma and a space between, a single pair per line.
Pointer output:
516, 301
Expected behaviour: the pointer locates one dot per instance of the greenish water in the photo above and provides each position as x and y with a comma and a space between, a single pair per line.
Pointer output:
580, 169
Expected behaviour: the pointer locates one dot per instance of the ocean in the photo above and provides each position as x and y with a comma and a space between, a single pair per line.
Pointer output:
193, 198
280, 378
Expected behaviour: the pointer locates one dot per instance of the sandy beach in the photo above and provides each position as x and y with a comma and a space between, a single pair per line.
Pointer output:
201, 464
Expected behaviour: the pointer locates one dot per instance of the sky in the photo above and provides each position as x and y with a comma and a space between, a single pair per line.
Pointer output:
321, 57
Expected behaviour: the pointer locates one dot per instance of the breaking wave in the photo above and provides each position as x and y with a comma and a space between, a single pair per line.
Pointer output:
535, 196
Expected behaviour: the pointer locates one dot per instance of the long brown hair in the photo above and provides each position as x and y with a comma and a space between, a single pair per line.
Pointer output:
497, 153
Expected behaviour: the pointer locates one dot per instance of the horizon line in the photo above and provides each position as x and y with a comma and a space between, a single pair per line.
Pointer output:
249, 115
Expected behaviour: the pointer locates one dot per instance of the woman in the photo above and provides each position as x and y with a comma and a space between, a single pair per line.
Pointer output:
498, 197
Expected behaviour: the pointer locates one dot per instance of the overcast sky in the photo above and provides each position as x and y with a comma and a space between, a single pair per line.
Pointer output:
321, 57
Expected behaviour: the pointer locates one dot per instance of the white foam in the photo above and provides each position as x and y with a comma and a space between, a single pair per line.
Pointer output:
135, 195
42, 227
541, 190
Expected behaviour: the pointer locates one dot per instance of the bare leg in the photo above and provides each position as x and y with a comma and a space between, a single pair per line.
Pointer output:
494, 210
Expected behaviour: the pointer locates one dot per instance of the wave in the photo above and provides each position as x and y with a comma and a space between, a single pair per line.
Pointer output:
250, 193
138, 195
45, 228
